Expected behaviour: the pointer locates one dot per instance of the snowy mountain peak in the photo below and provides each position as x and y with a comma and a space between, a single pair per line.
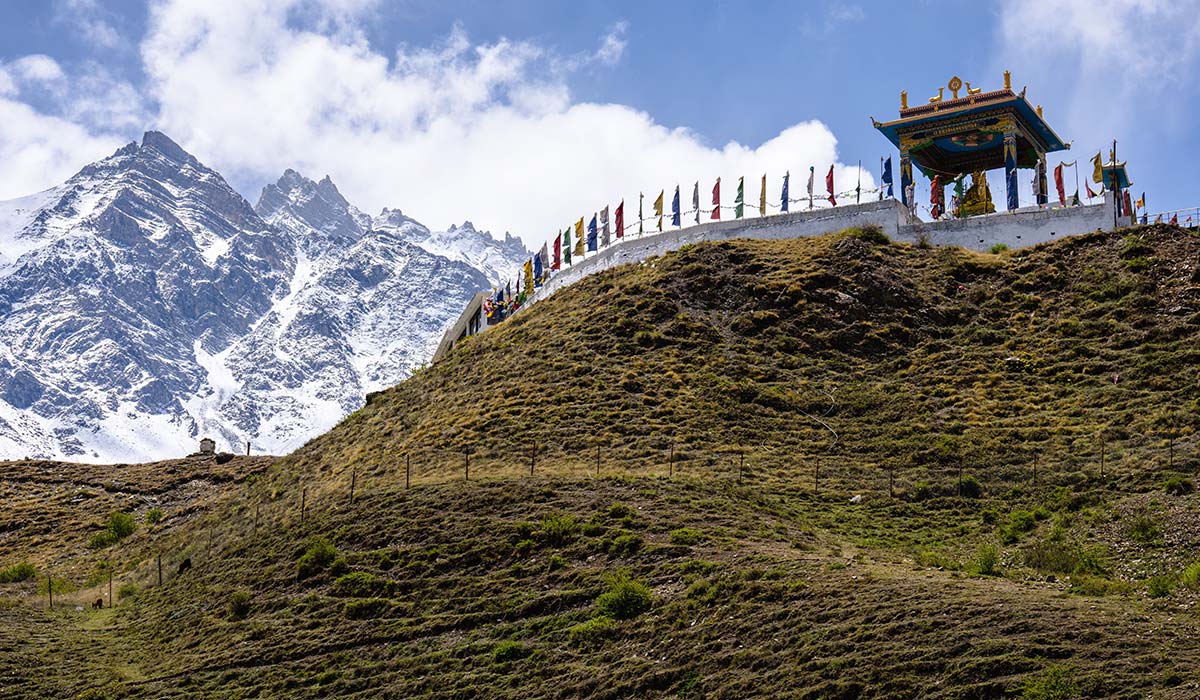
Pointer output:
161, 143
315, 213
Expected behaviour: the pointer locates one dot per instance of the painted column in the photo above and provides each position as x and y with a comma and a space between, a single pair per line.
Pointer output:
1043, 196
1010, 169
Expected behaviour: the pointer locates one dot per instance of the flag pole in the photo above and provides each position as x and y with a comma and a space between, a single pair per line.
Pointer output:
1116, 190
858, 187
1076, 179
881, 178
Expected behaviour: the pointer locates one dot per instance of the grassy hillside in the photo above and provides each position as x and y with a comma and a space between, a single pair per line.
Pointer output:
832, 467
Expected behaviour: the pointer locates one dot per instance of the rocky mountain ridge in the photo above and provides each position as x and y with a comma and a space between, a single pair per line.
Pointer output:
144, 302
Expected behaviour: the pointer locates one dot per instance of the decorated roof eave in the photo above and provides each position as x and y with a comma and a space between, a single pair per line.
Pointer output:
1050, 139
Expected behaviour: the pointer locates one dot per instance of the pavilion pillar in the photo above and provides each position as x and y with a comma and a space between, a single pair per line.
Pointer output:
1043, 196
1010, 169
906, 178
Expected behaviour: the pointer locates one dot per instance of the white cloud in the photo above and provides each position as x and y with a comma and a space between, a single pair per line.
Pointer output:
1101, 61
37, 68
40, 150
456, 130
90, 21
612, 47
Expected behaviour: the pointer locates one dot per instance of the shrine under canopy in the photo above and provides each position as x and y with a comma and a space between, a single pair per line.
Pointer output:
970, 133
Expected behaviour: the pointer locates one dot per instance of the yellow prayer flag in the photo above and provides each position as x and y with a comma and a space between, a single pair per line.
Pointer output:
658, 207
579, 240
1097, 169
529, 276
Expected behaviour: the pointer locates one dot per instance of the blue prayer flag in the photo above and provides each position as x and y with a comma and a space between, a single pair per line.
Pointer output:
591, 236
887, 175
675, 208
537, 270
783, 198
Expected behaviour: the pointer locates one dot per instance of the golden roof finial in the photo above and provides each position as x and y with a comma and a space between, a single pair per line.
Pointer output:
903, 99
971, 90
1039, 110
955, 85
1007, 80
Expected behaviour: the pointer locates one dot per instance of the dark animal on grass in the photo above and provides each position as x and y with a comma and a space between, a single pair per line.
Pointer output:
98, 604
184, 566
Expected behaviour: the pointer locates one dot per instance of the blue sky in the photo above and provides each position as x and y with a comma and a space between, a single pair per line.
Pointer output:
523, 116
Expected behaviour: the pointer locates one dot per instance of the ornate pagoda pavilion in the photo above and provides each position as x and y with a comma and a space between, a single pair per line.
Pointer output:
953, 135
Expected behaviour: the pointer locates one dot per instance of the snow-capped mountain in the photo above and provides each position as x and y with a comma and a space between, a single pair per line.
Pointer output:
144, 303
479, 249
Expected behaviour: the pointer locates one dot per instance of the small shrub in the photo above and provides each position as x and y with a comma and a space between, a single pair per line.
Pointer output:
621, 544
153, 516
686, 536
118, 526
17, 573
127, 591
1178, 486
618, 511
510, 651
591, 633
1091, 586
998, 248
971, 487
986, 560
1190, 578
556, 562
1143, 530
625, 598
318, 555
239, 605
1054, 683
102, 539
872, 234
558, 530
922, 491
366, 608
1019, 523
1160, 586
121, 525
358, 584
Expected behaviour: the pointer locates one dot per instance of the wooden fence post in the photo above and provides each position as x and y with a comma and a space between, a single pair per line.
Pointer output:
466, 463
353, 480
160, 569
816, 474
891, 481
597, 461
671, 468
303, 504
407, 471
247, 448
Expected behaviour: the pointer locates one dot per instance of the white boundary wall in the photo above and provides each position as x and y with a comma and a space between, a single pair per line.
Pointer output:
1019, 229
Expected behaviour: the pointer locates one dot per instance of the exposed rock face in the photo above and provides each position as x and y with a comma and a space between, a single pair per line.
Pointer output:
144, 302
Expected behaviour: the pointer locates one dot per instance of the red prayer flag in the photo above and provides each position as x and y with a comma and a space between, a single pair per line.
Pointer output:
935, 199
829, 186
1091, 194
620, 219
557, 263
716, 213
1174, 219
1062, 195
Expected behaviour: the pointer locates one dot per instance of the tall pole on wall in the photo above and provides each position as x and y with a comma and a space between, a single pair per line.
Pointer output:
1116, 187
